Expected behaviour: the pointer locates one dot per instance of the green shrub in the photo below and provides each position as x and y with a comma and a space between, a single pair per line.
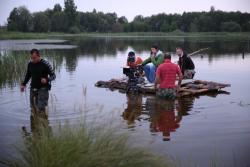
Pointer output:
230, 27
74, 30
79, 146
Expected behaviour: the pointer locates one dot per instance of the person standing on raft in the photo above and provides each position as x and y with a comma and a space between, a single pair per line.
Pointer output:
156, 58
165, 79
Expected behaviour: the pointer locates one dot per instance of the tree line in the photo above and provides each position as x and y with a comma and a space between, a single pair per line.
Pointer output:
68, 19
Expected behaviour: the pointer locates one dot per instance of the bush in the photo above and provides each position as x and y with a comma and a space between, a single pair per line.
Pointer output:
74, 30
80, 147
230, 27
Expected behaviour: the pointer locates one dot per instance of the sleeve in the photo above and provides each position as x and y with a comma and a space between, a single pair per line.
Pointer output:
178, 70
184, 64
27, 76
52, 75
191, 63
157, 61
148, 60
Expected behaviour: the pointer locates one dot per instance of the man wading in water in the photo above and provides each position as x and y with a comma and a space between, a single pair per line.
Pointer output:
41, 74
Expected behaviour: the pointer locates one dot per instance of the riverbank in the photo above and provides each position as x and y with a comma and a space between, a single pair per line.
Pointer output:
50, 35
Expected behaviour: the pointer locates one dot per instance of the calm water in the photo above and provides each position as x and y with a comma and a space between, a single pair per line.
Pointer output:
196, 130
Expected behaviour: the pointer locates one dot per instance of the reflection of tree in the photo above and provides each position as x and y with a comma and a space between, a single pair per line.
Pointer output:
98, 47
165, 116
71, 60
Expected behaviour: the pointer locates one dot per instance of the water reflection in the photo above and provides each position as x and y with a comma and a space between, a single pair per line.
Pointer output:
164, 115
13, 62
110, 46
38, 123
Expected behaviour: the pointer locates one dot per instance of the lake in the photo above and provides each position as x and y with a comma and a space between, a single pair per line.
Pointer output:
194, 130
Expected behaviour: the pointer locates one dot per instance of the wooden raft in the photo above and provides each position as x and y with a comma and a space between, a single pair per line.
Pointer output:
188, 87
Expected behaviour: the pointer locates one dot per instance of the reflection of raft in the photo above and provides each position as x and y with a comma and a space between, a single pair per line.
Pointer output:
188, 87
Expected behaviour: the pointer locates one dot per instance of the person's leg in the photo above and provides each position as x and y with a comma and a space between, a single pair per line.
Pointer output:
152, 73
33, 99
146, 69
43, 97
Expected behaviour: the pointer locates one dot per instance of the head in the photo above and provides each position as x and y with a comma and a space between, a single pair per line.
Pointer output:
179, 51
167, 56
35, 55
131, 54
154, 49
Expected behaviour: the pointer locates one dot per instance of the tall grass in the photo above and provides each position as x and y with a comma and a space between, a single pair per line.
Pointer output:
80, 146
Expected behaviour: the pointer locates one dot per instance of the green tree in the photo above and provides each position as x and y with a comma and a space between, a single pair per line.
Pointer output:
165, 27
70, 12
12, 20
20, 19
122, 20
57, 8
58, 19
40, 22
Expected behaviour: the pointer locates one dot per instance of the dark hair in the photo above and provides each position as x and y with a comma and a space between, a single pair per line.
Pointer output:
167, 56
131, 53
179, 47
35, 51
155, 46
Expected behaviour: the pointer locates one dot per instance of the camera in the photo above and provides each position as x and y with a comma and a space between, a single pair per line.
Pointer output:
133, 72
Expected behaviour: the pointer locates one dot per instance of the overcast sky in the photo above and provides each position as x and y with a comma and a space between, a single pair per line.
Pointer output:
129, 8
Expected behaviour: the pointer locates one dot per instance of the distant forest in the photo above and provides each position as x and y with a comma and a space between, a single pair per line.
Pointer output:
69, 20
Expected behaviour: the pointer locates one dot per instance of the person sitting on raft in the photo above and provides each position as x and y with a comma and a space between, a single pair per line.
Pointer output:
156, 58
185, 63
132, 60
165, 79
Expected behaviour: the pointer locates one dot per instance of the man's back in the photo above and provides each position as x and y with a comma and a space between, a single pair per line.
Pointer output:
167, 73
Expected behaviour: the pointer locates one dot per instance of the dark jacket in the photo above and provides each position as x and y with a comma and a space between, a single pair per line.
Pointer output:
186, 63
39, 70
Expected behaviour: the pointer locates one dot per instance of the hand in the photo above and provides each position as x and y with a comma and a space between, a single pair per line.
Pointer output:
43, 80
22, 88
178, 89
152, 55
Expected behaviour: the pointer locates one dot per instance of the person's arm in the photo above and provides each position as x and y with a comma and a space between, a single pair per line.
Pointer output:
190, 63
157, 61
148, 60
52, 75
50, 71
157, 77
27, 76
26, 79
180, 76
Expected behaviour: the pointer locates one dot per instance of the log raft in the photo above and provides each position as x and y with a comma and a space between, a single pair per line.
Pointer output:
188, 87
